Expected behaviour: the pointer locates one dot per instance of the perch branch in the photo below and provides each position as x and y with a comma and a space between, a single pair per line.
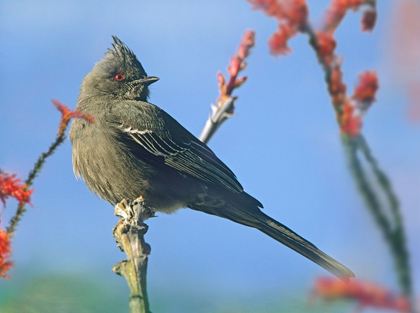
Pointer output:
129, 234
130, 230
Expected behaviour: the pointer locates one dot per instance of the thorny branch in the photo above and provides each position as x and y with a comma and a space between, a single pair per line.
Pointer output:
67, 115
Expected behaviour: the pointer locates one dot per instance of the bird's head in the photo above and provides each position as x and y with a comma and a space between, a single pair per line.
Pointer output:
119, 74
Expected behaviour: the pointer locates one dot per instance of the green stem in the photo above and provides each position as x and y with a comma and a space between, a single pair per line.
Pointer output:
392, 228
21, 209
393, 233
397, 241
365, 189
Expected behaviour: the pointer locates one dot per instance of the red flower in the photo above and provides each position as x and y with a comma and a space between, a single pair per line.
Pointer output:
5, 252
278, 42
67, 115
237, 64
222, 83
295, 12
269, 7
365, 293
369, 20
10, 186
337, 87
326, 46
291, 15
337, 10
367, 87
350, 123
248, 41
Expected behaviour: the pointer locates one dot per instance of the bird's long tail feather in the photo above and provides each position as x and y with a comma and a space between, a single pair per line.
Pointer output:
257, 219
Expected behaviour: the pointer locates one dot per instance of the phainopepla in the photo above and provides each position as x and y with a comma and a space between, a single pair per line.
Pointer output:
135, 148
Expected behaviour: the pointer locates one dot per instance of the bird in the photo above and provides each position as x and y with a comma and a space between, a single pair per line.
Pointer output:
134, 148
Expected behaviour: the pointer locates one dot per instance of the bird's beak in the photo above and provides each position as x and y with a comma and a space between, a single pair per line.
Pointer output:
148, 80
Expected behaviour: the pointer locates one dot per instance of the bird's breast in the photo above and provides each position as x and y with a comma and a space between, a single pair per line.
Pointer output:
111, 170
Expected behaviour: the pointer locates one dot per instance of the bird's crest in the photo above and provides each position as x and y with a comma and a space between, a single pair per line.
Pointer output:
126, 55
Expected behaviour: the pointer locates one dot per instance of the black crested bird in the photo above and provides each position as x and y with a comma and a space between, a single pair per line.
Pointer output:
135, 148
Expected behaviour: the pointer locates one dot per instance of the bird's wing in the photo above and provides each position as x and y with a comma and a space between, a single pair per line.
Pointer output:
179, 149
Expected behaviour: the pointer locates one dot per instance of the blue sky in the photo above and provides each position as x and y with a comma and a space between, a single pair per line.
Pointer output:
283, 143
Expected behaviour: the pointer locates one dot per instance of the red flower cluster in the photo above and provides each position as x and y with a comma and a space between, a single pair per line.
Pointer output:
326, 45
365, 91
293, 10
10, 186
269, 7
349, 111
369, 19
332, 19
365, 293
278, 41
5, 252
237, 64
337, 88
350, 121
291, 15
67, 115
338, 9
352, 110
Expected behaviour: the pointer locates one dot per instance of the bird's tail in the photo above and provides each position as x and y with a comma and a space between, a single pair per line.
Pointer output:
257, 219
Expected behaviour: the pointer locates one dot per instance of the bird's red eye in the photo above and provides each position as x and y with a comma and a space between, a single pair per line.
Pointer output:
119, 77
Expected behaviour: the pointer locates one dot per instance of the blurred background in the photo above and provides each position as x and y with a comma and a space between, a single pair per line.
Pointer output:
283, 144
